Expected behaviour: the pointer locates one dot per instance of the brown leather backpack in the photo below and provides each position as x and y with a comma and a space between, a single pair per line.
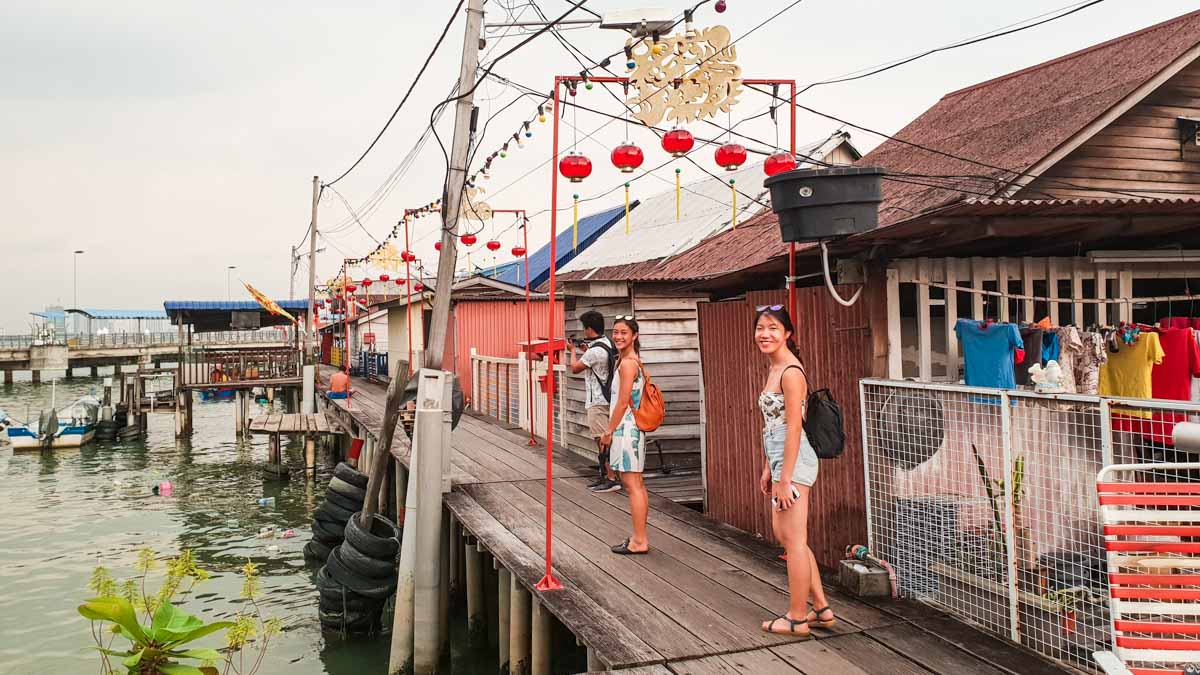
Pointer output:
652, 410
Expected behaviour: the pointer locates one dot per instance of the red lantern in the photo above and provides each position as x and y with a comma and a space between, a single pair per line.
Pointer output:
437, 245
627, 157
401, 282
779, 162
366, 283
469, 239
384, 277
493, 245
678, 142
730, 156
350, 288
418, 287
518, 251
575, 167
407, 256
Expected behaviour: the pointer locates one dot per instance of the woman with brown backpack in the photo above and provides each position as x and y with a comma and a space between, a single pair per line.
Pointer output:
636, 409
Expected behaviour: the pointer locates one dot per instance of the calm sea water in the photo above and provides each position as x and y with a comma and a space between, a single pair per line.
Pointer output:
66, 511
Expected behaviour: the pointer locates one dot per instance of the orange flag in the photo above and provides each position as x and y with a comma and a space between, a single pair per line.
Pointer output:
269, 304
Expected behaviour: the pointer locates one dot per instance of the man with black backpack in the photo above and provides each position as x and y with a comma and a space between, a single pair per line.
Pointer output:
597, 363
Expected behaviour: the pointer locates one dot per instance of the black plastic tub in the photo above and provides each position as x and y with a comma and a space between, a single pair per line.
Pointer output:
818, 204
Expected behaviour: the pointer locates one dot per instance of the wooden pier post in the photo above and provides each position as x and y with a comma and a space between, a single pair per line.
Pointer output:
239, 411
505, 588
491, 600
180, 423
69, 374
518, 629
310, 456
542, 635
593, 662
37, 376
95, 371
455, 552
476, 622
8, 378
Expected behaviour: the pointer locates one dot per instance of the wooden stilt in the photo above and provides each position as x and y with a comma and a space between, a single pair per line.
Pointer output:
180, 414
491, 580
239, 409
455, 557
593, 662
37, 377
95, 371
476, 623
310, 456
8, 377
518, 629
505, 587
542, 635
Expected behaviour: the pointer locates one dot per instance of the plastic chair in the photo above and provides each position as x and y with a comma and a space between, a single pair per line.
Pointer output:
1151, 522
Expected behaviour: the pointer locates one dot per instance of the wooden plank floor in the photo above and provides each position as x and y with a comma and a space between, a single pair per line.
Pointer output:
693, 606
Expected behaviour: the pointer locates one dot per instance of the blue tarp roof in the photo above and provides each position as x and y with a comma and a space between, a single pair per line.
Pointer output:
590, 229
120, 313
229, 306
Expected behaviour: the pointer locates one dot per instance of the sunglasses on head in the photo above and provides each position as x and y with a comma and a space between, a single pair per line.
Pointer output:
773, 308
627, 317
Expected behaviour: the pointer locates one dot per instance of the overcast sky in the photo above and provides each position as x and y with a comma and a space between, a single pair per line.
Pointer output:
171, 140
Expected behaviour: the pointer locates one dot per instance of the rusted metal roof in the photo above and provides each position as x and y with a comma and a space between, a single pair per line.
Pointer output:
1014, 121
1072, 207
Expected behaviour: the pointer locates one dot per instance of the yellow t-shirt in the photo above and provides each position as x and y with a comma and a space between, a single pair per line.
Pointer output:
1127, 373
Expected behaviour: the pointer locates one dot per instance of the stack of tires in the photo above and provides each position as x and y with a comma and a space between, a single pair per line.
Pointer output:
345, 495
359, 576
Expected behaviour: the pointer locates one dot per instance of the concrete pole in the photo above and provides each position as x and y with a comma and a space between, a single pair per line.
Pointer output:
239, 409
455, 556
309, 324
518, 629
505, 587
401, 658
542, 635
432, 435
444, 564
491, 601
310, 456
455, 180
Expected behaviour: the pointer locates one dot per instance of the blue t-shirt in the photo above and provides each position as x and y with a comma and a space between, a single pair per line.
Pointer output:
988, 353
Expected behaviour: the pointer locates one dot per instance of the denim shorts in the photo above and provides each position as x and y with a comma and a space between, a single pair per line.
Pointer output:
805, 471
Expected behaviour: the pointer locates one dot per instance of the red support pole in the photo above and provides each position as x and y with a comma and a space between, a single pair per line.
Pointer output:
408, 284
528, 327
346, 318
548, 582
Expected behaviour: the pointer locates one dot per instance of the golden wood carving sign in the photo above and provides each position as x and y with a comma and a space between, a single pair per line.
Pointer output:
473, 207
691, 77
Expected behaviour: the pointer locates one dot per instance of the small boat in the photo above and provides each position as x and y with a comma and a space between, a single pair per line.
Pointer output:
215, 394
72, 427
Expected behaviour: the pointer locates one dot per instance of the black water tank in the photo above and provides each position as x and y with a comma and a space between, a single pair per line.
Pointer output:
816, 204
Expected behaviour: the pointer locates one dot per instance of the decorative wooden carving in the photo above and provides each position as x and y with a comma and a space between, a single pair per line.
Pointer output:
693, 76
473, 207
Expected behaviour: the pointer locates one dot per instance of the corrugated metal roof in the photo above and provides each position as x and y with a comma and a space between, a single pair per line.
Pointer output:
120, 313
229, 306
1015, 121
1072, 207
591, 228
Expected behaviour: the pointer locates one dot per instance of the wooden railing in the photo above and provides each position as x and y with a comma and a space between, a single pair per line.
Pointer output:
217, 366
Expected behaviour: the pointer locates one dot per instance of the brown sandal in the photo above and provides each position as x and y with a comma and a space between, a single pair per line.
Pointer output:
792, 623
817, 621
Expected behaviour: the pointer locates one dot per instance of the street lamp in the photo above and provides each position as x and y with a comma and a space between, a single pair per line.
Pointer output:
75, 286
228, 292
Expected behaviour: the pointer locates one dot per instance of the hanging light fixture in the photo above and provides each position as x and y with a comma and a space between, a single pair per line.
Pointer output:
678, 142
779, 162
518, 251
730, 156
469, 239
366, 283
627, 157
385, 278
401, 282
575, 167
493, 245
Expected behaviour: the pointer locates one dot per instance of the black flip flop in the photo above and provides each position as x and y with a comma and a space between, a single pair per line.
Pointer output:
623, 549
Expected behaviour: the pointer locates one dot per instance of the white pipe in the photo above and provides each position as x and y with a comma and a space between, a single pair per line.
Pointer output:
829, 282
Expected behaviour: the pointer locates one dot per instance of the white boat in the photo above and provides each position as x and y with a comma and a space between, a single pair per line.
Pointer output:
71, 427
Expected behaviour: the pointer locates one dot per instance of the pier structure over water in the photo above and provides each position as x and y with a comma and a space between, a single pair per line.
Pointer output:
693, 605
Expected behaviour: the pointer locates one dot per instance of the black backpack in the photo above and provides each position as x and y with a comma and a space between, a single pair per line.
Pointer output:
606, 383
823, 423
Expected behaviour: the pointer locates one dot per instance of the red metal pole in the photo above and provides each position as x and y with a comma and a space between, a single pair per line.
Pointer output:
528, 326
346, 317
792, 245
408, 283
548, 582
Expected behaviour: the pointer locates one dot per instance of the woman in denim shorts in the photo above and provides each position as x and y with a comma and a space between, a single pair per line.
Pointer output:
787, 452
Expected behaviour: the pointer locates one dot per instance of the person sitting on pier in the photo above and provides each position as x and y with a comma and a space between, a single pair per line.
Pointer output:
626, 443
339, 385
597, 363
788, 453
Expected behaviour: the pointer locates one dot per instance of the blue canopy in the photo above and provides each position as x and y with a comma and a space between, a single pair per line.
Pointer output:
229, 306
590, 229
214, 315
120, 313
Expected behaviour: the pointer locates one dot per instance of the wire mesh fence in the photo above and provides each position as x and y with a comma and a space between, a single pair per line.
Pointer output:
985, 502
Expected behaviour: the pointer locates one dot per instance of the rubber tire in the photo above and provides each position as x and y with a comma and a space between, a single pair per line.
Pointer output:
351, 475
365, 565
352, 621
330, 534
371, 544
317, 550
347, 490
333, 512
343, 501
337, 570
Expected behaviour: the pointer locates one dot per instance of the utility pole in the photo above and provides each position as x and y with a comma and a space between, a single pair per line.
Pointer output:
457, 177
309, 329
416, 635
292, 275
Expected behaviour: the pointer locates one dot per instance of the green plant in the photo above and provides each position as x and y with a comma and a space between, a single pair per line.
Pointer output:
160, 635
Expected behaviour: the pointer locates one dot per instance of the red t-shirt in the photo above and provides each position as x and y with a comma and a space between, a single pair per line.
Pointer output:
1172, 380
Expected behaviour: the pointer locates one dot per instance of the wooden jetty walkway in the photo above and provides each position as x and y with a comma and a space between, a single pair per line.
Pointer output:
695, 603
